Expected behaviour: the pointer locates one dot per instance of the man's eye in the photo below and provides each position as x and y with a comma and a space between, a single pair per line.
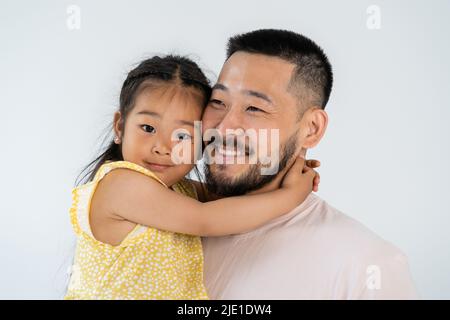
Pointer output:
216, 102
148, 128
254, 109
183, 136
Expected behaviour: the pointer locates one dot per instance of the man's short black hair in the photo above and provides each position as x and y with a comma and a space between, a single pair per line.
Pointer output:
312, 79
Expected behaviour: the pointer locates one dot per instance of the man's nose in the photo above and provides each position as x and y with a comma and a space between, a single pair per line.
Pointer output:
232, 120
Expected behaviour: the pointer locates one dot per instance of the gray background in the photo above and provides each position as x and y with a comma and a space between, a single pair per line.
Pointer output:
385, 154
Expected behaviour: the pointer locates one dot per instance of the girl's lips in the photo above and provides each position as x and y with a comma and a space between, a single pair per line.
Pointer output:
157, 167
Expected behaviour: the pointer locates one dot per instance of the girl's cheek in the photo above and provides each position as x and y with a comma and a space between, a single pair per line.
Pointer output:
192, 154
184, 169
184, 153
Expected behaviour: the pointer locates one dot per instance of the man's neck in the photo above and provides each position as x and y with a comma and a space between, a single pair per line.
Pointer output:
276, 183
272, 185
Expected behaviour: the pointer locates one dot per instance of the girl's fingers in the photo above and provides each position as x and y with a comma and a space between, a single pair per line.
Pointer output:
306, 169
310, 172
299, 163
312, 163
316, 182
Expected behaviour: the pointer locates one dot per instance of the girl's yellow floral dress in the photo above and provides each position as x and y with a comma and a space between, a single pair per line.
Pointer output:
148, 264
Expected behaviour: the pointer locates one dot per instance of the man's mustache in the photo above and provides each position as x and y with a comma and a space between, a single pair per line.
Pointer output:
233, 142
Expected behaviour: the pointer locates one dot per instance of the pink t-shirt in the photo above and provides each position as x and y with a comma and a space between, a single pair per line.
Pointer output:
312, 252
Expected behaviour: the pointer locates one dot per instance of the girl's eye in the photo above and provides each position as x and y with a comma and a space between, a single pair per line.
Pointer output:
183, 136
148, 128
254, 109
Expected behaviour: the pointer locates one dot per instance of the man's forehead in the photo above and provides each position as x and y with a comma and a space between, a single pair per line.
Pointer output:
248, 71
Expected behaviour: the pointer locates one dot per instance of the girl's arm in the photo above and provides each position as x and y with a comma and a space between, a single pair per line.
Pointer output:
204, 195
140, 199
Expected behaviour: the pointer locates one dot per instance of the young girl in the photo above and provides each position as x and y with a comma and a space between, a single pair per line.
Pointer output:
136, 237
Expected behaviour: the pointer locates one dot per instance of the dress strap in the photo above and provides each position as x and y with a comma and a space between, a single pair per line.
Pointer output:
108, 166
185, 187
82, 197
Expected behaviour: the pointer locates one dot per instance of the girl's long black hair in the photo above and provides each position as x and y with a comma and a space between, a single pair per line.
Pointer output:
170, 68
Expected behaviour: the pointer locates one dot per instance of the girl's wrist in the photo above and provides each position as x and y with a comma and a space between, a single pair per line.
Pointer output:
290, 198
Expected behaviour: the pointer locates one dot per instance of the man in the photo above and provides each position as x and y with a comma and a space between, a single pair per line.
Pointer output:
275, 79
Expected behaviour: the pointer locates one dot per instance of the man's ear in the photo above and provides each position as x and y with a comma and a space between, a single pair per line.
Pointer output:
313, 126
118, 124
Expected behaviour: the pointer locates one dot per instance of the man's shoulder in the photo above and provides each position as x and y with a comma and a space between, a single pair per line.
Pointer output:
337, 231
352, 246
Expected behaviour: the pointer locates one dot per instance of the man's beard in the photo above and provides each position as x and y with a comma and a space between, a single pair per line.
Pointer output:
250, 180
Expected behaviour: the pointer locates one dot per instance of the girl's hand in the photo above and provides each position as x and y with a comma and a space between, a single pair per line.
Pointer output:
301, 177
314, 164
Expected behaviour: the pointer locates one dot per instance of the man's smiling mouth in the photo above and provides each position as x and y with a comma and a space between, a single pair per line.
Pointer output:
227, 152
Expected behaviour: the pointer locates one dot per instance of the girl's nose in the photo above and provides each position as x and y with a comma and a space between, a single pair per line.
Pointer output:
161, 150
